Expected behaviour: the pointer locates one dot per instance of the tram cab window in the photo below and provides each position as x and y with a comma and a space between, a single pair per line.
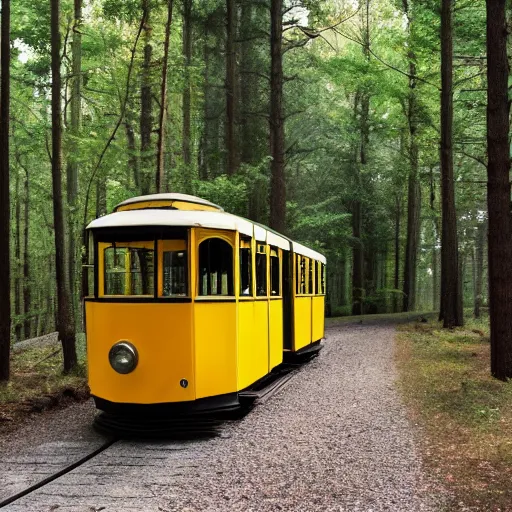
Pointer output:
261, 271
317, 277
129, 269
215, 267
275, 273
89, 269
245, 268
322, 278
175, 274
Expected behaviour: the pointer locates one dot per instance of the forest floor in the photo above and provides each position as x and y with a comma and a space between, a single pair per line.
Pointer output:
38, 384
465, 413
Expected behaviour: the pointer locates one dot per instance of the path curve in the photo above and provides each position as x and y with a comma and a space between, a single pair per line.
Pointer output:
335, 438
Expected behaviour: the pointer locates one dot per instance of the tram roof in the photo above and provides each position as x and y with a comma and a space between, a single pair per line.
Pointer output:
203, 219
165, 198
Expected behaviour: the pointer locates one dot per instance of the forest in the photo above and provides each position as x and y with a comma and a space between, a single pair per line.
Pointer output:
374, 131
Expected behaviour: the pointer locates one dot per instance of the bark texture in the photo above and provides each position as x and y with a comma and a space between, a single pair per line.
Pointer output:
277, 168
231, 89
160, 171
187, 101
65, 322
5, 303
498, 191
451, 299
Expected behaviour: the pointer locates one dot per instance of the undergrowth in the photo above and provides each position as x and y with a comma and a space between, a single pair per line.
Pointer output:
467, 415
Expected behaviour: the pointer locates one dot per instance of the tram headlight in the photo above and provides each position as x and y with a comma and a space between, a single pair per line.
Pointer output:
123, 357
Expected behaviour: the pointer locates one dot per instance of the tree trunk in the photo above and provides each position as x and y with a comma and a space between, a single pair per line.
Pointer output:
160, 177
357, 260
72, 163
17, 259
231, 89
27, 299
5, 284
450, 290
146, 107
479, 264
498, 191
65, 322
187, 56
133, 157
277, 168
396, 283
414, 188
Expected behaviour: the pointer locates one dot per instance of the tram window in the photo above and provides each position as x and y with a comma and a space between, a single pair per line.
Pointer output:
261, 271
323, 278
129, 270
311, 267
175, 274
215, 267
89, 269
275, 277
245, 268
316, 266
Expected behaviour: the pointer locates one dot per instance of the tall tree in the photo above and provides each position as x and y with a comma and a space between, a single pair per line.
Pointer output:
160, 177
414, 189
231, 89
187, 100
277, 141
5, 294
75, 126
146, 105
65, 323
498, 191
451, 296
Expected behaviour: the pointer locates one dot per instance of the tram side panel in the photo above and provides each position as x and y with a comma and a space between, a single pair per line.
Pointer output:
318, 313
275, 309
215, 348
302, 322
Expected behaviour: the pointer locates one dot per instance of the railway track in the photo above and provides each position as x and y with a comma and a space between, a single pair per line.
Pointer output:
184, 428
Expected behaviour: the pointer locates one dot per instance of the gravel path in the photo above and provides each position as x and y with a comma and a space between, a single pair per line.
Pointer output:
335, 438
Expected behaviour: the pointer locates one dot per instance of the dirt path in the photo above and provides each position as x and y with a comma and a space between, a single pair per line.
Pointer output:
336, 438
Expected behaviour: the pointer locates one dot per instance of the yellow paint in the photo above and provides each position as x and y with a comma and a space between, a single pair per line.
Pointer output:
162, 335
318, 313
215, 348
275, 308
179, 205
252, 342
302, 322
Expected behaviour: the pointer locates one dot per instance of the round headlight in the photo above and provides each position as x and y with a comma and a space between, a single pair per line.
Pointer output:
123, 357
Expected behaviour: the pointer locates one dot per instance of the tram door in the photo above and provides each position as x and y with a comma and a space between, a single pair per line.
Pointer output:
287, 287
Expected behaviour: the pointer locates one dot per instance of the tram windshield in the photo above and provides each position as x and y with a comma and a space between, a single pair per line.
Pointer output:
129, 268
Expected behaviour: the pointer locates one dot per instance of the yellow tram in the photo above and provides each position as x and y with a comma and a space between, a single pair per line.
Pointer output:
189, 305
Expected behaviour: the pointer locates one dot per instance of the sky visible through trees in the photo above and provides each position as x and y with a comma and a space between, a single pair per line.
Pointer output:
365, 130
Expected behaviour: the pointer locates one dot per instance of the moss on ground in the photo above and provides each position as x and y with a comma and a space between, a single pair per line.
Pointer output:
467, 415
38, 383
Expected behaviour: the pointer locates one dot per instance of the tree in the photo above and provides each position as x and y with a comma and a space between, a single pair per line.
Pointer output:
277, 141
5, 295
414, 188
75, 127
65, 323
498, 191
231, 88
187, 100
451, 298
160, 177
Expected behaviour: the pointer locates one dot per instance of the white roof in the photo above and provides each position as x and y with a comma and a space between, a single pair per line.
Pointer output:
169, 197
203, 219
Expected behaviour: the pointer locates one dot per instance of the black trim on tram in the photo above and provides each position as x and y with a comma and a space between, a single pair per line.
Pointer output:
138, 300
211, 404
